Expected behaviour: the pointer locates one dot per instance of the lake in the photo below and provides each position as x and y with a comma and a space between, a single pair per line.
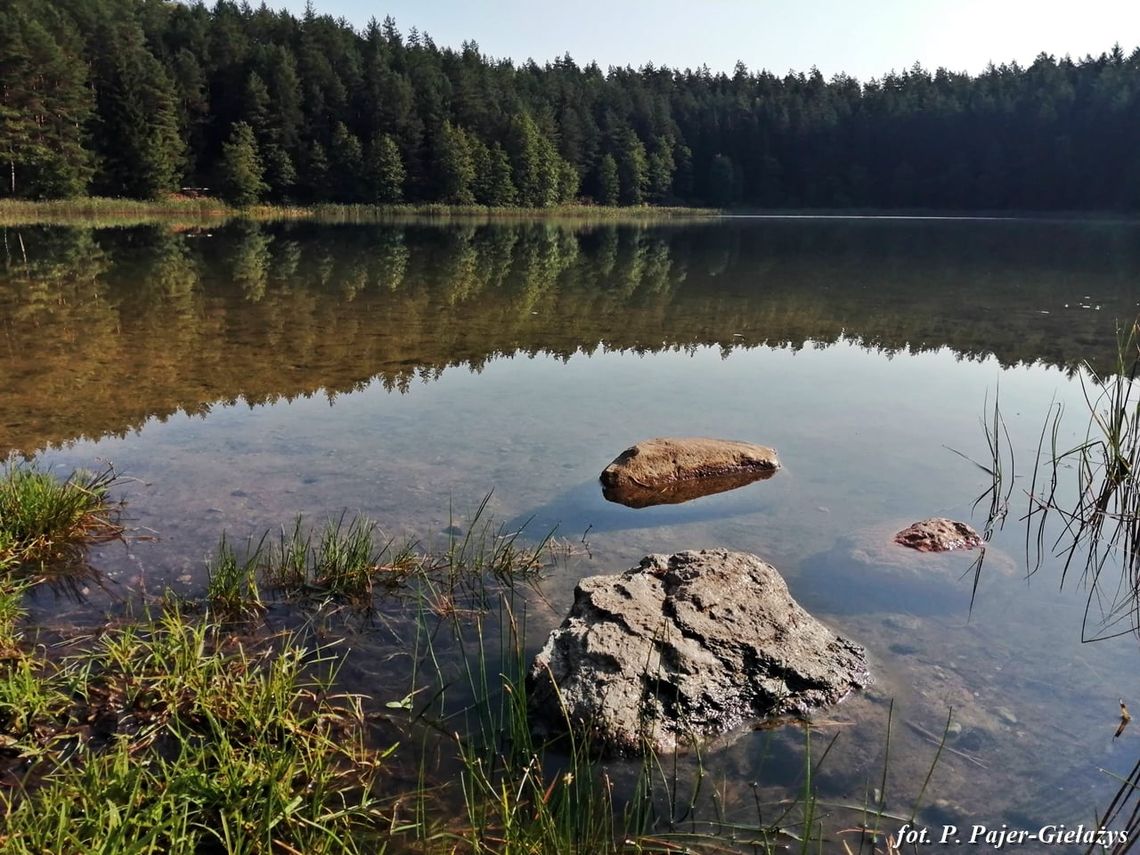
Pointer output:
244, 374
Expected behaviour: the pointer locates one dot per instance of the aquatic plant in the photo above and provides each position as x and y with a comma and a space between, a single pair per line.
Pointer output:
231, 583
1098, 510
343, 560
1000, 467
45, 521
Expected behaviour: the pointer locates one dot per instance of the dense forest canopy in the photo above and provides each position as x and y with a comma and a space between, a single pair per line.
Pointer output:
143, 97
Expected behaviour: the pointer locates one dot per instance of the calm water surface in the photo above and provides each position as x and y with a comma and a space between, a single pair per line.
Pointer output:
244, 375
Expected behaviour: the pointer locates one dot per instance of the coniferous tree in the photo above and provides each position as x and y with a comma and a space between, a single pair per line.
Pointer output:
314, 177
722, 181
609, 190
633, 169
346, 164
241, 172
453, 166
661, 168
493, 184
44, 103
138, 137
136, 94
384, 171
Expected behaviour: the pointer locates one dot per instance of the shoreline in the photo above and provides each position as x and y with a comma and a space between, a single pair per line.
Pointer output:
181, 211
106, 211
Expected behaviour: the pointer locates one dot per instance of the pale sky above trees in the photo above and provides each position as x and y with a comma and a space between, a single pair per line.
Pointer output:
864, 39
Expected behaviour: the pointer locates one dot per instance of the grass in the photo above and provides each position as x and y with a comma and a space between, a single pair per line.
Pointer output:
1001, 469
182, 210
177, 737
45, 522
346, 559
342, 560
231, 583
96, 210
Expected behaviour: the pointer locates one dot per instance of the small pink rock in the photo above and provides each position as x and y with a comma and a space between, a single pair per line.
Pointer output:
939, 535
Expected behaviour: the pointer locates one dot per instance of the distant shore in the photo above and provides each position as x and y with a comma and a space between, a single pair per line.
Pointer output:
178, 210
188, 211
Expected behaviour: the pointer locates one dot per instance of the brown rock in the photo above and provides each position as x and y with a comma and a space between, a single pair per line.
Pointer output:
686, 647
939, 535
654, 466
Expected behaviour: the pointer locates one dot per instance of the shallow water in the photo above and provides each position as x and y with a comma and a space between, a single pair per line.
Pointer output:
248, 374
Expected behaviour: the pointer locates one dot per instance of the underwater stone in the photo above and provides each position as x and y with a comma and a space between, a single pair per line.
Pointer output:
938, 535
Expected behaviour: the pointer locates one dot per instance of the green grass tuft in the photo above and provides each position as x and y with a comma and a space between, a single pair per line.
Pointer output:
45, 521
186, 740
231, 587
342, 560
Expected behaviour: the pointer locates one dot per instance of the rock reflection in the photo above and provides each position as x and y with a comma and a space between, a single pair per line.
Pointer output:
633, 496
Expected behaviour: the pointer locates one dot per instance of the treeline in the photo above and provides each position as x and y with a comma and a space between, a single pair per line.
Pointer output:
143, 97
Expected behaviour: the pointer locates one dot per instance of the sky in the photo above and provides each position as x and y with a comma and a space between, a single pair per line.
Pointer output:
864, 39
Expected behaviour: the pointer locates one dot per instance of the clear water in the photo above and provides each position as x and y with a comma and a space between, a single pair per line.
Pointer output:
247, 374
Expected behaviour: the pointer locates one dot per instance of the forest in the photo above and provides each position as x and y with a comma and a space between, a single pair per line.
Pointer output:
145, 98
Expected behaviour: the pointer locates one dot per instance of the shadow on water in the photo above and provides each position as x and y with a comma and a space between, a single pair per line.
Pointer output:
583, 510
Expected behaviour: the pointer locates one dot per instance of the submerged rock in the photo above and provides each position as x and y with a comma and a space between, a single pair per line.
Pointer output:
666, 467
939, 535
685, 647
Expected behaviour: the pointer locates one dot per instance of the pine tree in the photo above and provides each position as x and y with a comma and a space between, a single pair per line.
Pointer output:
492, 185
453, 166
536, 164
661, 168
633, 169
44, 104
384, 171
501, 190
314, 178
609, 184
280, 173
138, 137
240, 172
346, 164
568, 182
722, 181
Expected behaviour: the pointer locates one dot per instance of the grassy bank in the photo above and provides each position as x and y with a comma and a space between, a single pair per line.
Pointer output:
183, 211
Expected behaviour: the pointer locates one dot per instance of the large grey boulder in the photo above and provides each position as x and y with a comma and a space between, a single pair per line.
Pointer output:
669, 470
685, 647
